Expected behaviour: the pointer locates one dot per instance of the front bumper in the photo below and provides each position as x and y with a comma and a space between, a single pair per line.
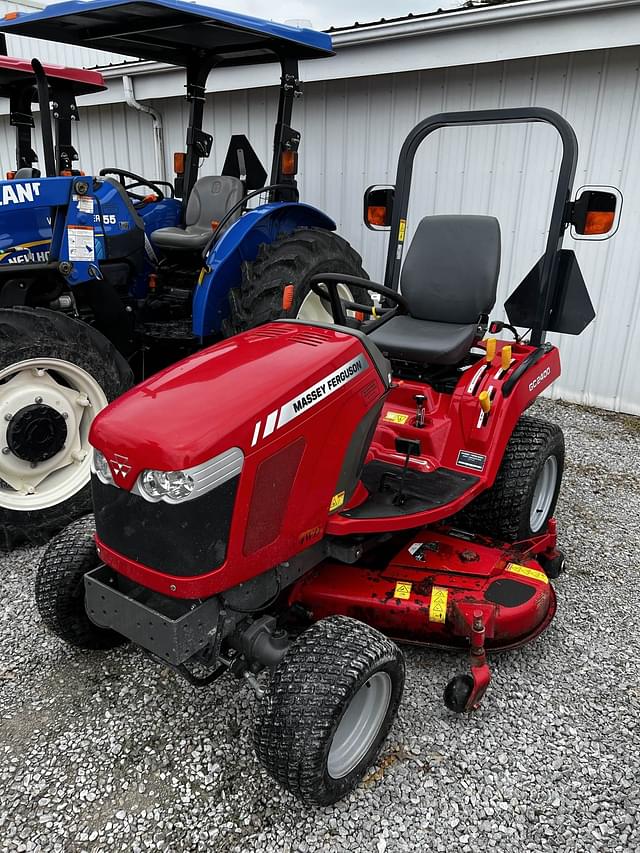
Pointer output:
174, 630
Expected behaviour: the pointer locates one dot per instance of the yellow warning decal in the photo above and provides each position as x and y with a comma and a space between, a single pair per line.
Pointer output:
438, 605
402, 230
526, 572
336, 501
396, 417
403, 590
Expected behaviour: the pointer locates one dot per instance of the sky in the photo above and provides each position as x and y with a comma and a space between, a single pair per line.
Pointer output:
331, 13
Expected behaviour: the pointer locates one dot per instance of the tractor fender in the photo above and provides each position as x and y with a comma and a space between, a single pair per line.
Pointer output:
240, 244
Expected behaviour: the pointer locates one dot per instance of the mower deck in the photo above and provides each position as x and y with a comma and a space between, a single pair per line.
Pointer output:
434, 588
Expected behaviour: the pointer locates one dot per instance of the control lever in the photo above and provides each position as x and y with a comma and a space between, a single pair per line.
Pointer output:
420, 410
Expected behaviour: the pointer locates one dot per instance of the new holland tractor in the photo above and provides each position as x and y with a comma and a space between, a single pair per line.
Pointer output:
136, 278
287, 507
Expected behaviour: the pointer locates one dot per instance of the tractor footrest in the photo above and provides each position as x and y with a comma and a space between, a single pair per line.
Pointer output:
171, 629
422, 491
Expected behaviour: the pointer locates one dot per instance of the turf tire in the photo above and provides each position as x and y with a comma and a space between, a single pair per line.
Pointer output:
503, 511
27, 333
307, 697
291, 259
59, 590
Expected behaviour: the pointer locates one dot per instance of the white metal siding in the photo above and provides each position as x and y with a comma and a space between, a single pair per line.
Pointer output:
352, 132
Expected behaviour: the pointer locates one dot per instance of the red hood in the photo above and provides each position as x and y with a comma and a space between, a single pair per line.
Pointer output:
219, 398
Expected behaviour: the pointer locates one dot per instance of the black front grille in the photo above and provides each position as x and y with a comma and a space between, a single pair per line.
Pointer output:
180, 539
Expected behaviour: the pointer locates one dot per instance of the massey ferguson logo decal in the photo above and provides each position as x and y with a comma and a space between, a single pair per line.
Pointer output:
305, 401
539, 379
119, 466
17, 193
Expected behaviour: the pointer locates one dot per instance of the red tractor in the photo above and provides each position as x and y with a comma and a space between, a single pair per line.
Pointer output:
298, 497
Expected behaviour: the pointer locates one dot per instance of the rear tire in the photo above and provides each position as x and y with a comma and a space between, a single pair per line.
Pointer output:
328, 709
60, 587
512, 509
73, 359
290, 260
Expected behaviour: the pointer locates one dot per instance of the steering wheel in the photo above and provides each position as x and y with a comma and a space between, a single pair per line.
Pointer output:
331, 280
138, 181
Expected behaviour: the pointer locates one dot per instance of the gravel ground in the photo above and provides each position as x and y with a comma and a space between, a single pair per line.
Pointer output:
107, 752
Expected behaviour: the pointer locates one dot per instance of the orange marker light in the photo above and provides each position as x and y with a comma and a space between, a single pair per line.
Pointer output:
214, 224
377, 215
11, 16
179, 162
289, 163
599, 222
10, 176
506, 357
287, 296
491, 349
485, 401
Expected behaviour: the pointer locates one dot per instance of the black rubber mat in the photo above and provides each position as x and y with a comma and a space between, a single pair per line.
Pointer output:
423, 491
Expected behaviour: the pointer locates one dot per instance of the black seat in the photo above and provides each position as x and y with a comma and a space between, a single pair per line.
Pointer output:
449, 280
211, 198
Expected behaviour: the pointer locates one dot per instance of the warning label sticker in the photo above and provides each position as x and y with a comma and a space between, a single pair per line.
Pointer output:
85, 204
402, 230
438, 605
336, 501
396, 417
527, 572
82, 244
403, 590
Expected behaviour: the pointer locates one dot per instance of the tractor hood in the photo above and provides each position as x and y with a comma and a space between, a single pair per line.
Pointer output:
240, 393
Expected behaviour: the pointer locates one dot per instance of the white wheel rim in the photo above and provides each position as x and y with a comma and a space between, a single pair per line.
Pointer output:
73, 394
543, 494
316, 310
359, 726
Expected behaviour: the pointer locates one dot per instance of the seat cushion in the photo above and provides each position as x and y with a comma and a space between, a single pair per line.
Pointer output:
190, 238
424, 341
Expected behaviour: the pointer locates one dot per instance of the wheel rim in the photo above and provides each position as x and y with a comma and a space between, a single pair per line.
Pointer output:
47, 406
315, 310
543, 494
360, 725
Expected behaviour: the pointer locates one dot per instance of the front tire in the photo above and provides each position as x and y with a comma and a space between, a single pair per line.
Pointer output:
291, 261
525, 492
56, 374
328, 709
59, 588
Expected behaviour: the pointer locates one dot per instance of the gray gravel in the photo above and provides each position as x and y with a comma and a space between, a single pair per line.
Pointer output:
107, 752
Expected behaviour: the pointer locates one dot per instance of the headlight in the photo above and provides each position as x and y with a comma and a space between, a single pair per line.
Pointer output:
177, 486
101, 468
174, 485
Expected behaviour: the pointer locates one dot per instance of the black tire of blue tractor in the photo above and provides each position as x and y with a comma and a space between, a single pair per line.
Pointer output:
38, 332
306, 698
503, 511
59, 589
291, 259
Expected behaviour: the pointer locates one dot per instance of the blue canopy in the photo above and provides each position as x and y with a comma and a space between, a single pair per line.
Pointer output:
173, 31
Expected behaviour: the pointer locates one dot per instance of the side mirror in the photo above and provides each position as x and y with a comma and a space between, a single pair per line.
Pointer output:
378, 207
596, 213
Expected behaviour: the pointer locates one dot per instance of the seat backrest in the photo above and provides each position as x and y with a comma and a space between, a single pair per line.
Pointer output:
25, 173
211, 198
450, 274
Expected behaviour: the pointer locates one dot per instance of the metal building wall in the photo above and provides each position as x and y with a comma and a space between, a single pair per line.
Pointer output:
352, 132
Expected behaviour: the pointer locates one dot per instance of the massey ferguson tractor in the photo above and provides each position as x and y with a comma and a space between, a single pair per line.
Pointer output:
287, 505
139, 273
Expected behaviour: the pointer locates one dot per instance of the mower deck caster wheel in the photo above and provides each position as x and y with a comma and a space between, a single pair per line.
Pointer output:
328, 709
457, 693
553, 567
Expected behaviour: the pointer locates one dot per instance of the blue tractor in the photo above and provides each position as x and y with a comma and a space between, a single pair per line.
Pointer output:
140, 273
